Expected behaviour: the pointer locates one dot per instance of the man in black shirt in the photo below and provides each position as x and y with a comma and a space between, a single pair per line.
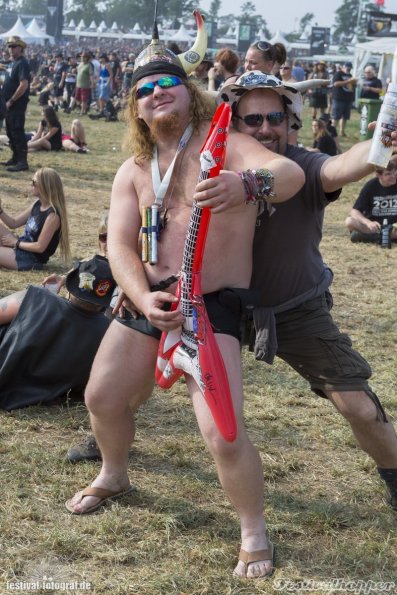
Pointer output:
343, 96
371, 85
16, 97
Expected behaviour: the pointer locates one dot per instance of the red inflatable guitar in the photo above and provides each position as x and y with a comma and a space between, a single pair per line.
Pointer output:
192, 349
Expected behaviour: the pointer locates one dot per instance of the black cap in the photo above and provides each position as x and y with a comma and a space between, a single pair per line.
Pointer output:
92, 281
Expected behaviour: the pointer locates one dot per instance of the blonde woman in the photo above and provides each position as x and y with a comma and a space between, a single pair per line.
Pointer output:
75, 141
46, 226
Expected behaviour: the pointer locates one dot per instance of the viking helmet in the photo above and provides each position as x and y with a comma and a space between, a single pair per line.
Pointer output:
156, 58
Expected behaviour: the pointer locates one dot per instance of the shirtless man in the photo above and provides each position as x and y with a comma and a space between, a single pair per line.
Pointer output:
122, 377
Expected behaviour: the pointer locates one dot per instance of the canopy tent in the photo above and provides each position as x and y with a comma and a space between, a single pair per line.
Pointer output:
102, 27
279, 38
20, 30
34, 29
181, 35
384, 49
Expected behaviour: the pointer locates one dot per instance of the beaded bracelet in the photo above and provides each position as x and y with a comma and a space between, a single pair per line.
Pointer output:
258, 184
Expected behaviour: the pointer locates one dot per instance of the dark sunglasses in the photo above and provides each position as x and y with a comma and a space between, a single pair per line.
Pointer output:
256, 120
263, 46
12, 46
34, 182
103, 237
166, 82
285, 68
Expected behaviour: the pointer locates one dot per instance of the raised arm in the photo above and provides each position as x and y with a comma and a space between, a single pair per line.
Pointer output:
347, 167
243, 153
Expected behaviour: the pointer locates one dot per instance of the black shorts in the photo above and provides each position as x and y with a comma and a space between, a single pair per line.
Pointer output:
223, 319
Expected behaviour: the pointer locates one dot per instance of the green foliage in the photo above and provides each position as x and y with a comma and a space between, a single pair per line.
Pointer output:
249, 16
215, 8
347, 21
87, 10
33, 6
305, 21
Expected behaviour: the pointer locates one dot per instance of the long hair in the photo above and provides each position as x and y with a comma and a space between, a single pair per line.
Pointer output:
140, 139
322, 129
50, 187
51, 116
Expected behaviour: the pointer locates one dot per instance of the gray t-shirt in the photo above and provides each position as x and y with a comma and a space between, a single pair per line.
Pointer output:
287, 260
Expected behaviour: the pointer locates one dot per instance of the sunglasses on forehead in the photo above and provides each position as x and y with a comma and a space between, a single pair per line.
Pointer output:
256, 120
263, 46
166, 82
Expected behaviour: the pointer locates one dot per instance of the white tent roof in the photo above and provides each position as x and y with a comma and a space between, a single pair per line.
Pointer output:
181, 35
381, 45
81, 25
386, 47
72, 24
35, 30
102, 26
279, 38
136, 28
92, 26
20, 30
115, 26
262, 35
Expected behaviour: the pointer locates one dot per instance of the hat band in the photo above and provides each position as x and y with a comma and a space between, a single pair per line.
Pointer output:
158, 67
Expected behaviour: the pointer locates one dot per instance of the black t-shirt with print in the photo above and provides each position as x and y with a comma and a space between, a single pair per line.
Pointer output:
376, 202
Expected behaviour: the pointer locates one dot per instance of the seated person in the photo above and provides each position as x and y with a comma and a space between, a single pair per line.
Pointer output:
75, 141
377, 201
322, 141
46, 226
330, 128
49, 133
48, 343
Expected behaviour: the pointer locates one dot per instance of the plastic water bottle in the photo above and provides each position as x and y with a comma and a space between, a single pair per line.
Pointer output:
381, 148
385, 234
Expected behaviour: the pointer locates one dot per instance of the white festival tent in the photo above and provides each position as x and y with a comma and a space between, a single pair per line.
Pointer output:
34, 29
384, 49
20, 30
181, 35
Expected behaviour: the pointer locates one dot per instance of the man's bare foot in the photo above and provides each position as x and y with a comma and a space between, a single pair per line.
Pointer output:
258, 563
92, 498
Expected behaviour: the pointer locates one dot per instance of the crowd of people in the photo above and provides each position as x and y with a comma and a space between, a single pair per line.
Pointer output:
272, 194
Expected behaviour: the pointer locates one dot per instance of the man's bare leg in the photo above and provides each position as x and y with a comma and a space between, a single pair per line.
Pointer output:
376, 438
238, 464
121, 379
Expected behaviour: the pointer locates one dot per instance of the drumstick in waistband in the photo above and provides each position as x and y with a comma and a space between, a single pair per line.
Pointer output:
145, 243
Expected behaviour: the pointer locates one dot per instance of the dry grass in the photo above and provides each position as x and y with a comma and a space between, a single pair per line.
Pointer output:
177, 533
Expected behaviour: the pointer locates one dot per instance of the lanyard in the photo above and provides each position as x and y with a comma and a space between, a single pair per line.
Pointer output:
160, 186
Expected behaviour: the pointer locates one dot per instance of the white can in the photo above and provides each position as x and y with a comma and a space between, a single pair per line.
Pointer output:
381, 147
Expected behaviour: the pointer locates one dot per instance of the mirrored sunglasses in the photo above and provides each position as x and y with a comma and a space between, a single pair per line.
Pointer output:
256, 120
166, 82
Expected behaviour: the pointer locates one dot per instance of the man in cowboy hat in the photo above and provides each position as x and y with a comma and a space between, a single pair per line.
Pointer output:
163, 107
16, 96
295, 318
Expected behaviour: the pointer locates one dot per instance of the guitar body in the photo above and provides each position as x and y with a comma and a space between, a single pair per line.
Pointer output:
192, 349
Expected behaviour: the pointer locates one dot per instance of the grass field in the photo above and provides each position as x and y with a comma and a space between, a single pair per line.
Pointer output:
177, 532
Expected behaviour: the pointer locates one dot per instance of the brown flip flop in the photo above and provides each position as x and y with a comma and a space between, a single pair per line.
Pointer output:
101, 493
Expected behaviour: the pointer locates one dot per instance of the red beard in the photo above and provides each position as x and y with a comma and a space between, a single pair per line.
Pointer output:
169, 124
